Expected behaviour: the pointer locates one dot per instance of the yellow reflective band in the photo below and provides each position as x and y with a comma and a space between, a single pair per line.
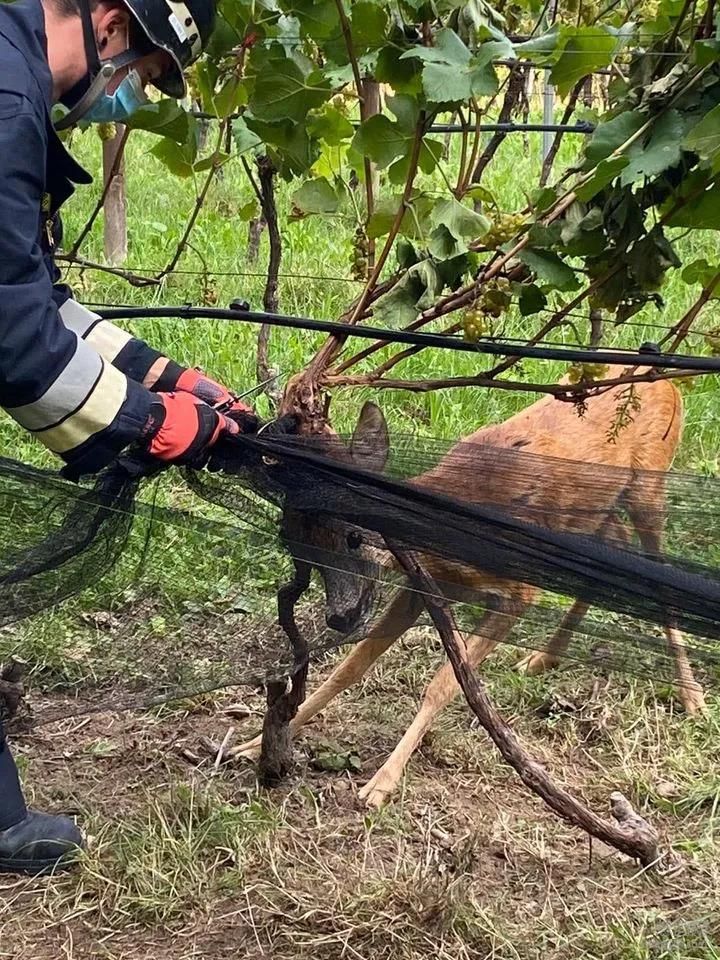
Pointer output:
108, 339
97, 413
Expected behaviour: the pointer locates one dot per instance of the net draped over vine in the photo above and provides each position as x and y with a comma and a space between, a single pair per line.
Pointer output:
171, 601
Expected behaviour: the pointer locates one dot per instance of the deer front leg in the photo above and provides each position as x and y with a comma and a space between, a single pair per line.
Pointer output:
689, 690
443, 688
400, 615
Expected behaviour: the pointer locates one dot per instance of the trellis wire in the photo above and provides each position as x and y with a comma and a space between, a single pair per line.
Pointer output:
649, 358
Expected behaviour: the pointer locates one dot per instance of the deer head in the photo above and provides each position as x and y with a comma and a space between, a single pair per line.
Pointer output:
345, 556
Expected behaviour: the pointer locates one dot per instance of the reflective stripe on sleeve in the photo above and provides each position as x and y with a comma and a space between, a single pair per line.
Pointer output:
96, 413
68, 393
104, 336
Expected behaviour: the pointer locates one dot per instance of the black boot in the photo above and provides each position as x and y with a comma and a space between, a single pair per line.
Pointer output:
31, 842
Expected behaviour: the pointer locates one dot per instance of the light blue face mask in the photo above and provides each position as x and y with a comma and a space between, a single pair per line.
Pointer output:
118, 106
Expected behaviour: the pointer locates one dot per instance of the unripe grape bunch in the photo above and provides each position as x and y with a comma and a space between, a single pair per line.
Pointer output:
493, 301
359, 258
106, 131
587, 372
504, 227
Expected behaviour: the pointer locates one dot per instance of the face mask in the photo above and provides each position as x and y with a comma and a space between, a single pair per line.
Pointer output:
118, 106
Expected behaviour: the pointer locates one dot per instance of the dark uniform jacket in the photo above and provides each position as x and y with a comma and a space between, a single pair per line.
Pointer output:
73, 380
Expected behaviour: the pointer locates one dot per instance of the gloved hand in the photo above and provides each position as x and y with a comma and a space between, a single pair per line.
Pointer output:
197, 383
182, 429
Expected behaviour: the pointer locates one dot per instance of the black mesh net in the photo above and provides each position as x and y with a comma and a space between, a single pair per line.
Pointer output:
170, 601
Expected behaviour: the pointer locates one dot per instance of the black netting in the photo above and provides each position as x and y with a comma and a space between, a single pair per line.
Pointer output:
182, 599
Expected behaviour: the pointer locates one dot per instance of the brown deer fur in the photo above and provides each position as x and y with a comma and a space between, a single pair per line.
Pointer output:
553, 429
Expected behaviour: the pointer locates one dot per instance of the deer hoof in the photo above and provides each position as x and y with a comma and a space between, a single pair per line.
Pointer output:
692, 699
250, 750
536, 663
378, 791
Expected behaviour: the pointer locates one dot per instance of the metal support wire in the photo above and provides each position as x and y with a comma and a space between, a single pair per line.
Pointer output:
648, 356
582, 127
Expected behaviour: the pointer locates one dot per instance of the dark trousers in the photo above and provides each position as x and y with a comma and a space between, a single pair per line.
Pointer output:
12, 802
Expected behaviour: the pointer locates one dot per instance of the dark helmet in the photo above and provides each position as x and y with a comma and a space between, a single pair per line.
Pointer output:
180, 27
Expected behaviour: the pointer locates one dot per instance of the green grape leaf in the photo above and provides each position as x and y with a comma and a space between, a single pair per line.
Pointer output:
317, 18
369, 25
461, 221
404, 76
166, 119
381, 140
226, 101
606, 172
428, 159
541, 48
650, 258
704, 273
610, 135
317, 196
414, 292
330, 125
178, 159
217, 158
293, 151
282, 92
447, 76
583, 51
444, 245
244, 137
249, 211
701, 211
549, 268
704, 137
531, 299
415, 222
407, 255
448, 48
662, 149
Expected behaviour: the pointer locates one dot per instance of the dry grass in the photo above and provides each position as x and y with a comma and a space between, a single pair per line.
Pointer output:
464, 864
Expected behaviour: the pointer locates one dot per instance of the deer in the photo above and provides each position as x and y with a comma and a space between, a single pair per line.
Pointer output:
644, 448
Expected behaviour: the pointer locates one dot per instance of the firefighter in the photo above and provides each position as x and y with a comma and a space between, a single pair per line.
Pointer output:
85, 388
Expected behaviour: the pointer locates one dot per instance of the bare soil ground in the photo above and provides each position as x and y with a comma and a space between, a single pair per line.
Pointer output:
191, 862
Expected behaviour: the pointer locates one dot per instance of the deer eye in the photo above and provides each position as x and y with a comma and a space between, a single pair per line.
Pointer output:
354, 540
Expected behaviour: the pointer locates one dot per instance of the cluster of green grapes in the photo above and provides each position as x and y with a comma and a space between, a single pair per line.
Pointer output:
587, 372
106, 131
493, 301
504, 227
209, 296
192, 83
359, 260
474, 323
589, 12
646, 10
712, 341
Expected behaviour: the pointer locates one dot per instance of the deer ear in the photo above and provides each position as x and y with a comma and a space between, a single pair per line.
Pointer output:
370, 445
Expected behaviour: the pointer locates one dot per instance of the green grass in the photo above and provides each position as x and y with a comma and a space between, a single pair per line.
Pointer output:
464, 865
158, 207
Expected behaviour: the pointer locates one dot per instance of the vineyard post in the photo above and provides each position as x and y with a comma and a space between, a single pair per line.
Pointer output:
115, 204
548, 114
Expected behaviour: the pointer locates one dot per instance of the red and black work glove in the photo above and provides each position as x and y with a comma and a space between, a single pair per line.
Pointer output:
198, 384
182, 429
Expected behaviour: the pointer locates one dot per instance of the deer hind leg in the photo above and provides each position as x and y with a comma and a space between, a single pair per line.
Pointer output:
647, 511
402, 612
443, 688
539, 661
